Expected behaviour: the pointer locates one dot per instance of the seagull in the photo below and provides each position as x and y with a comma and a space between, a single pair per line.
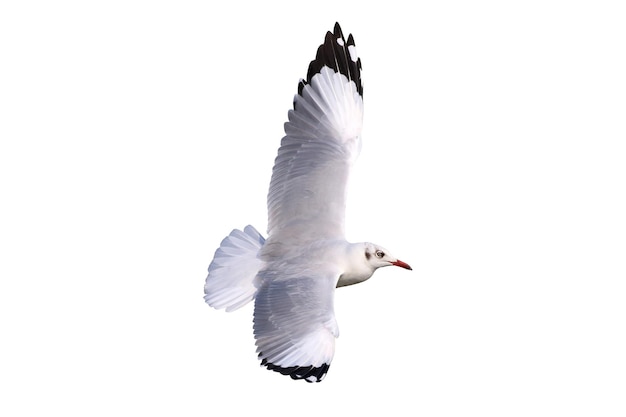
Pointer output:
292, 275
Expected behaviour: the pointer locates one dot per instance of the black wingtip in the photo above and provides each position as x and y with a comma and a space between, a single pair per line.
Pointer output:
337, 30
338, 54
308, 373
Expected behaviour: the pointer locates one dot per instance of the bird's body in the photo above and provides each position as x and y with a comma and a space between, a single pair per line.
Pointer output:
293, 274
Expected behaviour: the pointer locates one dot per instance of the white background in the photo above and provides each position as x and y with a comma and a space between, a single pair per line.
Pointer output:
135, 135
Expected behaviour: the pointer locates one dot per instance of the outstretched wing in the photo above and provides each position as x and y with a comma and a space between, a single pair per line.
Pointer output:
294, 322
307, 193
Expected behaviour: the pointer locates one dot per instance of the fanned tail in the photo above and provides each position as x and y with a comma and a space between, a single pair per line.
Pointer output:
231, 282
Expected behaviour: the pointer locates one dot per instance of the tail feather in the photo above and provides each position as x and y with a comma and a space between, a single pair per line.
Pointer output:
231, 282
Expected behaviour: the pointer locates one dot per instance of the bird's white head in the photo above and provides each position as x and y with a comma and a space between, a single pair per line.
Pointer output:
377, 257
367, 258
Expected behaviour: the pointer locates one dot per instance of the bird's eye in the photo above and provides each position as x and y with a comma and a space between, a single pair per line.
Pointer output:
380, 254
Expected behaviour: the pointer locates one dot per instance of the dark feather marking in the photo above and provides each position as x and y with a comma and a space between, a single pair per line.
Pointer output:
299, 372
333, 55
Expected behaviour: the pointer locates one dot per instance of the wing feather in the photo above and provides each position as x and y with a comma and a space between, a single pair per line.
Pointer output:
294, 323
307, 194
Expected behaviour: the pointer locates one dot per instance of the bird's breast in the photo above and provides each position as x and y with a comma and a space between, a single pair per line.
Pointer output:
353, 277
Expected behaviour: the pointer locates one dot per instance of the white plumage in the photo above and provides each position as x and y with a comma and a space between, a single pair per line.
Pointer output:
293, 274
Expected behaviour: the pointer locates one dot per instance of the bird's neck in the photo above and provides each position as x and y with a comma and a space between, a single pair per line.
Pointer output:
357, 269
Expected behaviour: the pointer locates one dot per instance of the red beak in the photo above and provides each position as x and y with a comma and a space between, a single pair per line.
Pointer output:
402, 264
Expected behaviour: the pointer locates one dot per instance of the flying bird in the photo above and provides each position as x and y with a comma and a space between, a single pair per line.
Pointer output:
292, 275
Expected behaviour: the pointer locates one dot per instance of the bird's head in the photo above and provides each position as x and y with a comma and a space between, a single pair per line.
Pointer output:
377, 257
363, 260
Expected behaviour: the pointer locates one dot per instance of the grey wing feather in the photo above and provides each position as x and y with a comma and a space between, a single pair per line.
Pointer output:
294, 324
307, 193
